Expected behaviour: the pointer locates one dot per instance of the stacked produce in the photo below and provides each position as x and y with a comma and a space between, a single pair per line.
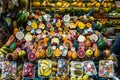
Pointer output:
57, 46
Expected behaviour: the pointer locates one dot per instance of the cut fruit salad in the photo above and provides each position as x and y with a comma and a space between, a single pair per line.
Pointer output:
89, 68
106, 68
29, 70
44, 68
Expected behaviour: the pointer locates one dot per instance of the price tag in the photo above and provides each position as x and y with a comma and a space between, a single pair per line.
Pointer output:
40, 18
29, 23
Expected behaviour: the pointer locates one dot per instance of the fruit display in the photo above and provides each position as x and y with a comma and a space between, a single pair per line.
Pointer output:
69, 6
56, 39
106, 68
29, 70
44, 68
76, 69
9, 70
63, 67
89, 68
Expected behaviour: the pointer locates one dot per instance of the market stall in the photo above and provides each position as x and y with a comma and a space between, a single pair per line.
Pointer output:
58, 40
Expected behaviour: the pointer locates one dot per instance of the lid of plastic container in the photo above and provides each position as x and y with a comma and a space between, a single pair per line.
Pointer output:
93, 37
19, 35
66, 18
28, 37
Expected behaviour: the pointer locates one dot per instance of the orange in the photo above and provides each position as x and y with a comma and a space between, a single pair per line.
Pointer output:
69, 54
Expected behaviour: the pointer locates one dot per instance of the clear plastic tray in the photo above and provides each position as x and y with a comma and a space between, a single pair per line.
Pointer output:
44, 68
9, 70
63, 67
76, 65
106, 68
23, 74
89, 68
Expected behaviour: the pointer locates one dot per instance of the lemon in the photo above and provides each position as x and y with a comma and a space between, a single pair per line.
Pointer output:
34, 25
59, 4
81, 25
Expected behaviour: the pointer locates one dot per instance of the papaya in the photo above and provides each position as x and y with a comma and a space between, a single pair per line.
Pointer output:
88, 43
89, 25
74, 55
42, 43
69, 54
96, 53
38, 55
57, 52
67, 43
107, 53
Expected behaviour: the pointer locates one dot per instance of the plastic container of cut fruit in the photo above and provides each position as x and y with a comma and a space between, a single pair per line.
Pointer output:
44, 68
89, 68
9, 70
76, 69
63, 67
106, 68
28, 71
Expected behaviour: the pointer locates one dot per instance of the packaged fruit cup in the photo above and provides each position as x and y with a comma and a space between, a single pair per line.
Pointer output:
89, 68
28, 71
44, 68
9, 70
76, 69
63, 67
106, 68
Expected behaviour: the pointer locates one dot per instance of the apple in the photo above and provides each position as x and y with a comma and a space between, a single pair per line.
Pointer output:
89, 53
21, 53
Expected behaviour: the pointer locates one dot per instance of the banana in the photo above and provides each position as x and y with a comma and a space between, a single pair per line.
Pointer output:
41, 71
5, 48
64, 5
47, 72
45, 62
45, 66
3, 51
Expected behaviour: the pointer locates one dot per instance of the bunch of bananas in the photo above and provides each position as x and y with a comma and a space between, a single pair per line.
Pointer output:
44, 68
22, 16
4, 50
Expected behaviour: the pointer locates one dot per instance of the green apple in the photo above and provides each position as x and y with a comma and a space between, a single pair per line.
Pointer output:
89, 53
22, 53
